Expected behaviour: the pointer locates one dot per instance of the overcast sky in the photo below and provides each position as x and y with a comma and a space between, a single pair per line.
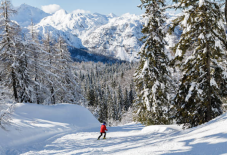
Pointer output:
117, 7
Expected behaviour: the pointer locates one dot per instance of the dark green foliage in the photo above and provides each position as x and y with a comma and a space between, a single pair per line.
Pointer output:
204, 41
91, 97
109, 94
152, 78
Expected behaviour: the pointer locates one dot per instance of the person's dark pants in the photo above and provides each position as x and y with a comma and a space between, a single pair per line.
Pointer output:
101, 135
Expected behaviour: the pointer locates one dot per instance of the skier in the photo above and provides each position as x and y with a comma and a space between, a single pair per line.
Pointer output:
103, 130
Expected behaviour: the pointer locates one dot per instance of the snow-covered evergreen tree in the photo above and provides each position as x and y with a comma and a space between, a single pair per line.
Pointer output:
153, 79
107, 101
119, 103
203, 41
126, 104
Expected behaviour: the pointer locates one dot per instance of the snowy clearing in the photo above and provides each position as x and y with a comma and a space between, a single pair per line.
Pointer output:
71, 129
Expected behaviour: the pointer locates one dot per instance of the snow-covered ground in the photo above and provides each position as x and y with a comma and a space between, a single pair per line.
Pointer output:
71, 129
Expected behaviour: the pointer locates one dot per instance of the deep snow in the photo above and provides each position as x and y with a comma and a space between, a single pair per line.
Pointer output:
71, 129
31, 123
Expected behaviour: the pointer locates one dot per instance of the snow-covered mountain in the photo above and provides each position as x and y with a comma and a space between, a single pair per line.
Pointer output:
72, 26
108, 35
26, 13
118, 38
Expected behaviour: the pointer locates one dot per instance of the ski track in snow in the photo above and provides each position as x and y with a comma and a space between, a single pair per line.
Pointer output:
66, 129
131, 139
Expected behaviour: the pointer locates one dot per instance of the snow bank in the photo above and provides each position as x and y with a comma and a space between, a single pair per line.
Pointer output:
207, 139
31, 122
164, 129
131, 139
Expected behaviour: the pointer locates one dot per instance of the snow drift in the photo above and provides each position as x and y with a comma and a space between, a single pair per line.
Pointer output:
31, 122
72, 129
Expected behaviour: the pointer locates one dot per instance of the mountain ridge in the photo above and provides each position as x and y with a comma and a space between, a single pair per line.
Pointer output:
108, 35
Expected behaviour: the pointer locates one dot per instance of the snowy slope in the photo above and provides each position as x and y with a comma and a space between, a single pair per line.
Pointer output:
71, 129
32, 122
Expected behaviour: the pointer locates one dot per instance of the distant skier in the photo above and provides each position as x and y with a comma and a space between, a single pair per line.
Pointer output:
103, 130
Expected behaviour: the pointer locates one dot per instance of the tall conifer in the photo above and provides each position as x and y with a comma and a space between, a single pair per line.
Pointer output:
152, 76
199, 55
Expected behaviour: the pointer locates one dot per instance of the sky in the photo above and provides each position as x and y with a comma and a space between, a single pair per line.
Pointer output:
117, 7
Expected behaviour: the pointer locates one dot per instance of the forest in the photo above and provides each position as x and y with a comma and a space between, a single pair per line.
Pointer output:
185, 85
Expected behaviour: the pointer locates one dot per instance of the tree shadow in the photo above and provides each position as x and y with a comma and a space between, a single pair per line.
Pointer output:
204, 148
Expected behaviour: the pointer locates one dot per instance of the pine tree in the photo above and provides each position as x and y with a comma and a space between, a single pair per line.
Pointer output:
103, 111
125, 101
110, 104
119, 103
91, 97
131, 94
204, 41
152, 78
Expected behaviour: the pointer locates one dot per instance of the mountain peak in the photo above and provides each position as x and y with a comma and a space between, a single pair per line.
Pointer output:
26, 12
61, 12
112, 15
25, 5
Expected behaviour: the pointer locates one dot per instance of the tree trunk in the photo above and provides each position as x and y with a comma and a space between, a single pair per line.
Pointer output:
14, 85
208, 114
226, 11
52, 95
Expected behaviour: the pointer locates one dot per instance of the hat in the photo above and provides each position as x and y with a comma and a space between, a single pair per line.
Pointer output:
104, 123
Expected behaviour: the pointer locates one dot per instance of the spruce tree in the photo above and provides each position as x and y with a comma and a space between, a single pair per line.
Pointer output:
91, 97
110, 104
119, 103
125, 101
152, 78
203, 82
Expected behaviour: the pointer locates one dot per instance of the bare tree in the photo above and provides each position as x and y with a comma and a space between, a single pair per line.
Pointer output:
8, 52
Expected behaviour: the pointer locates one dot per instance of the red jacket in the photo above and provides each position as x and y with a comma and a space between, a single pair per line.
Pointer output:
103, 129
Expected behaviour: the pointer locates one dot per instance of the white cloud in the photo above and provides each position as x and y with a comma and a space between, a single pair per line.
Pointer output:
81, 11
52, 8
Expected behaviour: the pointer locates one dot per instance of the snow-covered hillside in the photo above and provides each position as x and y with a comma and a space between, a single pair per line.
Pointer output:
26, 13
32, 123
109, 35
72, 26
71, 129
119, 38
